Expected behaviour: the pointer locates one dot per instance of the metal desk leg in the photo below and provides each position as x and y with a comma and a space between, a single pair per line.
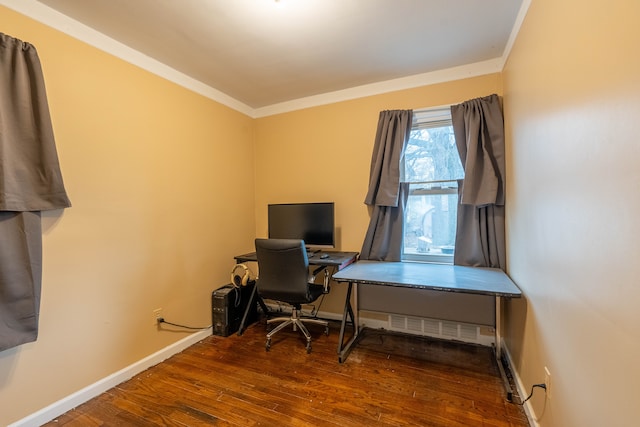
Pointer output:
252, 300
349, 313
326, 280
498, 350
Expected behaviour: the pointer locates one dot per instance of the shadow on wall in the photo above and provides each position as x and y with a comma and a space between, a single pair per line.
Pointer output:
50, 219
515, 312
8, 360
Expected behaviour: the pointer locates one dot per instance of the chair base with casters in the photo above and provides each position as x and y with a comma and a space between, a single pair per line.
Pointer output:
298, 324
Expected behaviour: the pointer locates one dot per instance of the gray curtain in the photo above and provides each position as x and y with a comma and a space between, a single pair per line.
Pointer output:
479, 131
30, 182
386, 195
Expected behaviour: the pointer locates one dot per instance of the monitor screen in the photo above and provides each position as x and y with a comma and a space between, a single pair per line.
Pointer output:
311, 222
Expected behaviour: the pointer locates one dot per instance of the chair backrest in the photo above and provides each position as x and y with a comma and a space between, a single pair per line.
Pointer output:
283, 270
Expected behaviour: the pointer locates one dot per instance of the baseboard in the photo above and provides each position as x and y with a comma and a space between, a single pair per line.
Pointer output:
63, 405
522, 391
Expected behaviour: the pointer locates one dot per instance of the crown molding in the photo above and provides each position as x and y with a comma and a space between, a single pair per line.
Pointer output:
409, 82
54, 19
522, 13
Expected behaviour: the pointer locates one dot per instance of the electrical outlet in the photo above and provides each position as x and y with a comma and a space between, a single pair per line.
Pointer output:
547, 381
157, 313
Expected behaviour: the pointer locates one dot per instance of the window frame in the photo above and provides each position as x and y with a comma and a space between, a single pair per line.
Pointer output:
427, 119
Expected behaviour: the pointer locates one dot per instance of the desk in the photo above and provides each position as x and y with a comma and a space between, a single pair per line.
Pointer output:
437, 277
334, 259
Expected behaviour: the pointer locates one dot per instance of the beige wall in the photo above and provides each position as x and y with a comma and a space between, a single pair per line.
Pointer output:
572, 108
162, 182
163, 192
324, 154
159, 210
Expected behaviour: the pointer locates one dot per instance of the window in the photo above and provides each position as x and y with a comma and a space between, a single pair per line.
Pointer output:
432, 167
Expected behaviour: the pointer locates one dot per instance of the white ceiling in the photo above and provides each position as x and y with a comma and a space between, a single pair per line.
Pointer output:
261, 53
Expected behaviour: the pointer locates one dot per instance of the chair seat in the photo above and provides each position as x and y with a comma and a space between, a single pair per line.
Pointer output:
291, 297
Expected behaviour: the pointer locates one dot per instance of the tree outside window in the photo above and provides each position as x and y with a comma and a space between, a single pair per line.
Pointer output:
432, 167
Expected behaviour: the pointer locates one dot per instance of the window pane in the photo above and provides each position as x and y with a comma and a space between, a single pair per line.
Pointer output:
430, 221
432, 166
431, 155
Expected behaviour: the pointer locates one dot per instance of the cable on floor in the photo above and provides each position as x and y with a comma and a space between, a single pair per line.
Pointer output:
195, 328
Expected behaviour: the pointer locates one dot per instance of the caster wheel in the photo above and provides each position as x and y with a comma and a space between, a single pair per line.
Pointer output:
308, 348
267, 345
326, 331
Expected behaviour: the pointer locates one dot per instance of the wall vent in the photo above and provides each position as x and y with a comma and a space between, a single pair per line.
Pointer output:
398, 322
468, 332
431, 326
414, 324
450, 329
436, 328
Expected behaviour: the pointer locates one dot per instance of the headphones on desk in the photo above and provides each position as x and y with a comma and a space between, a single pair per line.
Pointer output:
241, 279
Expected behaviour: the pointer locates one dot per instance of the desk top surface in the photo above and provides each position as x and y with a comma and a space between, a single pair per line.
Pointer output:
333, 258
440, 277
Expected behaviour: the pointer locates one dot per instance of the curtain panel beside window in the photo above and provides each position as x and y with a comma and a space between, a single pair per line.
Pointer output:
386, 196
478, 126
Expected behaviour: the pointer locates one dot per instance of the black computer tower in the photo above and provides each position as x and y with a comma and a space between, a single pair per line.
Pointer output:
228, 305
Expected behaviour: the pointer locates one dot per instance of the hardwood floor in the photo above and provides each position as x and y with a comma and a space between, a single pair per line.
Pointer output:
388, 380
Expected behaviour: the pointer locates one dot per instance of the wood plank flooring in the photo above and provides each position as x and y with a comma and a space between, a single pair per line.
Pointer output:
388, 380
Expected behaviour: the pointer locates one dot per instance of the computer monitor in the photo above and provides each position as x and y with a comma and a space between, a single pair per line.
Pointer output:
311, 222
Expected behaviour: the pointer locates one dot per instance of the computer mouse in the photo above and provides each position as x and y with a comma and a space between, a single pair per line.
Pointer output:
323, 256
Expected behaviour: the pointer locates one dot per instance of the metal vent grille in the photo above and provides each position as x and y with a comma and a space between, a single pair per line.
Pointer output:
397, 322
431, 327
439, 329
450, 329
468, 332
414, 324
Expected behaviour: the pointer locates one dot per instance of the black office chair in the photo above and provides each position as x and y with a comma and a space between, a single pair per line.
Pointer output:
284, 276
